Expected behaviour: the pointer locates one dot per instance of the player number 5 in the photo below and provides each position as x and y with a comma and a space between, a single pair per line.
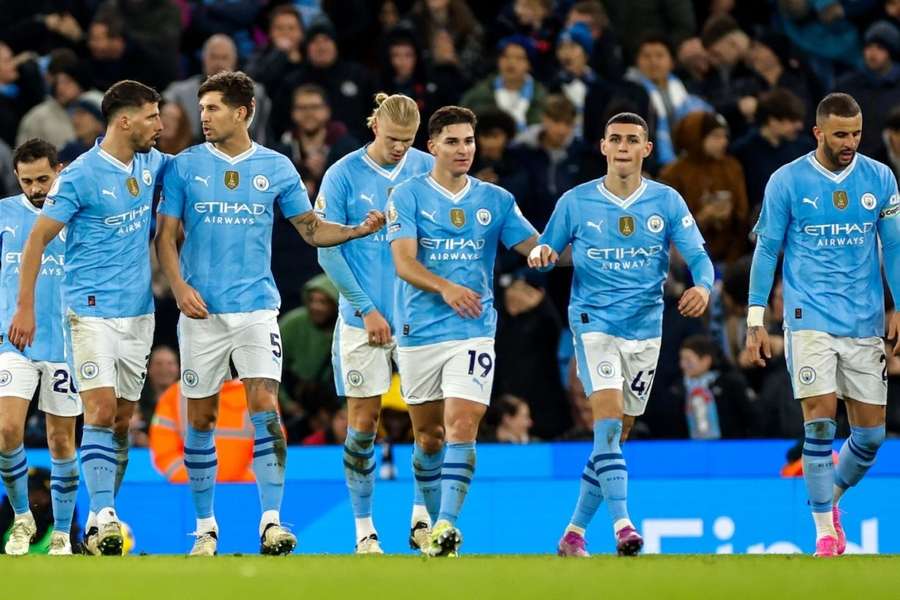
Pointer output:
276, 345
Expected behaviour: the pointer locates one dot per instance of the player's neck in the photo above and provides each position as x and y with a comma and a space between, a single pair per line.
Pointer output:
621, 186
447, 180
118, 148
823, 160
235, 145
377, 157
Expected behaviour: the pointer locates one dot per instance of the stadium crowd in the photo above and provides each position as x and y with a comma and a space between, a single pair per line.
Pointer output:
728, 88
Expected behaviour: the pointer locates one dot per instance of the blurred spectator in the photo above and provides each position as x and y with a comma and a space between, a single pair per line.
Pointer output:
575, 75
155, 25
349, 87
712, 183
729, 85
528, 333
115, 56
876, 87
717, 401
307, 385
606, 53
669, 99
535, 20
163, 371
495, 161
773, 60
329, 427
631, 18
777, 139
693, 62
88, 123
50, 120
316, 141
551, 155
235, 19
9, 185
580, 409
176, 134
511, 420
283, 54
21, 88
512, 89
44, 26
233, 435
889, 151
450, 33
219, 54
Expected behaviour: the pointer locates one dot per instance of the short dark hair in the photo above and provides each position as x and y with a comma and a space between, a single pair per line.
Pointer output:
560, 109
126, 94
494, 119
236, 88
309, 88
628, 118
112, 20
837, 104
716, 28
701, 345
33, 150
655, 37
450, 115
780, 104
286, 9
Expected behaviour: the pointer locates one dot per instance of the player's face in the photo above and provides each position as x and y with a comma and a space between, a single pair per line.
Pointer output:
392, 140
35, 179
839, 137
625, 148
218, 120
454, 148
145, 126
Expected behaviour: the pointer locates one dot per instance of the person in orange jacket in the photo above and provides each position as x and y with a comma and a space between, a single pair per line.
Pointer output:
234, 435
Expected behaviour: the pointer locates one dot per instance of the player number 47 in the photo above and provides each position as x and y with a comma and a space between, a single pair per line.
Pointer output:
640, 385
484, 361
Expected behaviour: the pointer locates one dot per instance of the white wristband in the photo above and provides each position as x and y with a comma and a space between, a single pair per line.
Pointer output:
755, 316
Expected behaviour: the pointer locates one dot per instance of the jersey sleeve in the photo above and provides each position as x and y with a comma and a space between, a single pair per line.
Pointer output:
776, 210
293, 199
331, 204
516, 228
63, 200
174, 191
559, 232
684, 233
889, 234
401, 213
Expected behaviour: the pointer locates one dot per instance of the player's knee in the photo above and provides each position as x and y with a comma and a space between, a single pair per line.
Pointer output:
365, 420
463, 428
431, 439
61, 444
101, 415
11, 436
868, 439
204, 420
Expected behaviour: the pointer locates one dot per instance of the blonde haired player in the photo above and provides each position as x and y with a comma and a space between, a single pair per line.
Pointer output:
364, 273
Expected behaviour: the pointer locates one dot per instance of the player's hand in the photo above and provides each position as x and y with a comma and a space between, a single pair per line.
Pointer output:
693, 301
464, 301
542, 257
377, 328
190, 302
894, 331
758, 345
373, 222
21, 328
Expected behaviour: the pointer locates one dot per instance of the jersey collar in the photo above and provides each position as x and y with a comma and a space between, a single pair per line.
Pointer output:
113, 160
389, 175
835, 177
29, 205
232, 160
619, 201
454, 198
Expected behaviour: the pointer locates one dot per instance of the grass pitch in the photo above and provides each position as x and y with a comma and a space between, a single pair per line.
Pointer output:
469, 577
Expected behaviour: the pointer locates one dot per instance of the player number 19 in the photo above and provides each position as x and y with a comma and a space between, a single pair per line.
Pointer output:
484, 361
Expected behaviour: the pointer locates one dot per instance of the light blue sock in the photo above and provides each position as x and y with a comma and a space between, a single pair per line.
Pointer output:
202, 465
589, 496
99, 464
427, 475
63, 492
456, 476
818, 468
120, 443
609, 465
359, 470
14, 472
857, 455
269, 459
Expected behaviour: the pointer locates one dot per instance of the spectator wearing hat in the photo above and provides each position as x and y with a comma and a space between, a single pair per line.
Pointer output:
876, 87
712, 183
50, 120
88, 124
777, 139
606, 52
889, 150
575, 76
513, 89
350, 87
670, 100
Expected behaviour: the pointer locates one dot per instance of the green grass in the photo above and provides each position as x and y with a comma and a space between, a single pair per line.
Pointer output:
312, 577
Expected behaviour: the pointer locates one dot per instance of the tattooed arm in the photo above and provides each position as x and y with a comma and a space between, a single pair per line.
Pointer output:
320, 233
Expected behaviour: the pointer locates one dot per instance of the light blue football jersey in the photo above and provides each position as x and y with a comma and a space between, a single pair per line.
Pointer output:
351, 188
17, 217
227, 206
620, 251
457, 237
828, 224
107, 206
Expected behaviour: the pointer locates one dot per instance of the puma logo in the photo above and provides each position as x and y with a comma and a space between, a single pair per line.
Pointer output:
813, 202
108, 193
369, 199
596, 226
430, 216
203, 180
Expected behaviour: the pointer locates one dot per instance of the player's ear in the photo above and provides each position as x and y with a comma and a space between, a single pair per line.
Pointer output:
431, 146
603, 145
648, 149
